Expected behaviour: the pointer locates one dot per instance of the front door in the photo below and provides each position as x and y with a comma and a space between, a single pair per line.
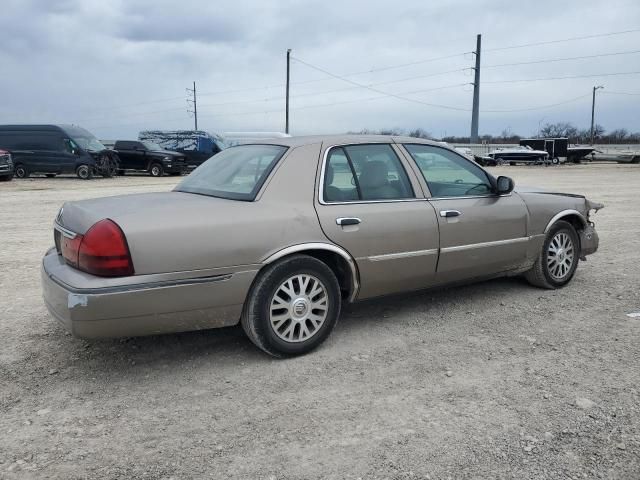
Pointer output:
368, 203
481, 233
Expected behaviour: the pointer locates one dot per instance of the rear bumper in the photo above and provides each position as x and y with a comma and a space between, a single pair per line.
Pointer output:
137, 309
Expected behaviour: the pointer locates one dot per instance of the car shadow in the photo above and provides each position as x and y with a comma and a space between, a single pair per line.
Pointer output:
230, 346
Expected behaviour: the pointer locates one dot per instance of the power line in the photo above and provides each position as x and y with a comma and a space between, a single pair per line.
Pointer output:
351, 74
562, 78
447, 107
543, 107
548, 42
620, 93
561, 59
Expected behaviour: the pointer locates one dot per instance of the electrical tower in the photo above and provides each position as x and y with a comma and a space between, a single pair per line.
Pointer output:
476, 94
192, 101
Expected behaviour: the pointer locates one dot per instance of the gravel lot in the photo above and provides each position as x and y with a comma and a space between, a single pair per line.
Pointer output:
492, 380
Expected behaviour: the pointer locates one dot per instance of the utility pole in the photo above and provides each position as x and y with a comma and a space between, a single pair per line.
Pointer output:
193, 101
593, 109
476, 93
286, 122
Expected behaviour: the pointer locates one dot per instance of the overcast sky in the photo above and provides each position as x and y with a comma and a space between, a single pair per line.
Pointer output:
118, 67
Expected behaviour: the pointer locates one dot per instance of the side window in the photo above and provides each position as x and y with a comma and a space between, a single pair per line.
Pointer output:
339, 182
365, 172
448, 174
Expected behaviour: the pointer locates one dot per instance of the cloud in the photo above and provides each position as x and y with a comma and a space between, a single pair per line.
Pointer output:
121, 66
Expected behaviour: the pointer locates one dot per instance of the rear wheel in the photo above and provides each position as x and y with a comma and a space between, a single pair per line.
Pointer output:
156, 170
499, 162
555, 160
558, 260
292, 307
21, 171
84, 172
50, 175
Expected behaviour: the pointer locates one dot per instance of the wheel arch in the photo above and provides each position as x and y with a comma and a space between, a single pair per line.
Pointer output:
574, 217
336, 258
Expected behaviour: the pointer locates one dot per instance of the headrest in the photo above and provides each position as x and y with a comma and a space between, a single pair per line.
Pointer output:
374, 174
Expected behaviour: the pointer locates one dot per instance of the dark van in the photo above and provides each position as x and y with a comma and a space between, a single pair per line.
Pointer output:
50, 149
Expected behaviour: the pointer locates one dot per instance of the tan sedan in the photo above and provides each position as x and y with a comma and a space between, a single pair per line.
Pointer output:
278, 235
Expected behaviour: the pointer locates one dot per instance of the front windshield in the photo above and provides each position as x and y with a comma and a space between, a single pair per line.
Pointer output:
235, 173
85, 139
154, 147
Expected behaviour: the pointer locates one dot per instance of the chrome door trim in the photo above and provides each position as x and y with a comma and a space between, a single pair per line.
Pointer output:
495, 243
395, 256
301, 247
562, 214
491, 195
385, 142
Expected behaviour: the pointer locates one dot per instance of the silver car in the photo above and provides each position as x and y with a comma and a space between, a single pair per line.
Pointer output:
278, 235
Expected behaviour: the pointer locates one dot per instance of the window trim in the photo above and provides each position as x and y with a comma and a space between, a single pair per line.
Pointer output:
325, 157
426, 183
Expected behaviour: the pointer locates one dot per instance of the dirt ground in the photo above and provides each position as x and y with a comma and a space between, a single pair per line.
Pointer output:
492, 380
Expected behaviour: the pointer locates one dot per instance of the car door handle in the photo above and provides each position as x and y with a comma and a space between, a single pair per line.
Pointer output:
450, 213
344, 221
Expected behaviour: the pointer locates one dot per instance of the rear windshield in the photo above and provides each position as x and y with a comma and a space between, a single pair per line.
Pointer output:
235, 173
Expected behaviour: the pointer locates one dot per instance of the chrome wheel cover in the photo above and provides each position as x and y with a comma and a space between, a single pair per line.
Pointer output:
155, 171
560, 256
299, 308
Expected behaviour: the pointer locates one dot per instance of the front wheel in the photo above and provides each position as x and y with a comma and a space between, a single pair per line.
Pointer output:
21, 171
292, 307
555, 161
557, 262
156, 170
84, 172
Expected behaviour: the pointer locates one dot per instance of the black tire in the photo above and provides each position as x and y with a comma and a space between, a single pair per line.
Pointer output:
175, 174
84, 172
256, 313
6, 178
555, 161
540, 274
500, 162
20, 171
512, 164
50, 175
156, 170
122, 173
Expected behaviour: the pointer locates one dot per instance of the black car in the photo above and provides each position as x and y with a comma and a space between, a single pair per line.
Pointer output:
6, 166
149, 157
51, 149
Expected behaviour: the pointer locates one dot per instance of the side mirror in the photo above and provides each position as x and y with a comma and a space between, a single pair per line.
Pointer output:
504, 185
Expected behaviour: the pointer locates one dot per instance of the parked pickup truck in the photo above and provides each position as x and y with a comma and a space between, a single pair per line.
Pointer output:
149, 157
6, 166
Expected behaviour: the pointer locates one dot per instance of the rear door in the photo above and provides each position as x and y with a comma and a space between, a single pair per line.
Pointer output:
371, 204
481, 233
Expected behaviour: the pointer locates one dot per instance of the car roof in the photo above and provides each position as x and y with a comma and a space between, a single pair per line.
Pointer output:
35, 128
341, 140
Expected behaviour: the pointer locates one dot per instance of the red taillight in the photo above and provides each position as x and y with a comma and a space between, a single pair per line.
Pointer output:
104, 251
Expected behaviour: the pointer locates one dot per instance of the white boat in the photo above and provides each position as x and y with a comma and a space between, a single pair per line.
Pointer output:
518, 154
